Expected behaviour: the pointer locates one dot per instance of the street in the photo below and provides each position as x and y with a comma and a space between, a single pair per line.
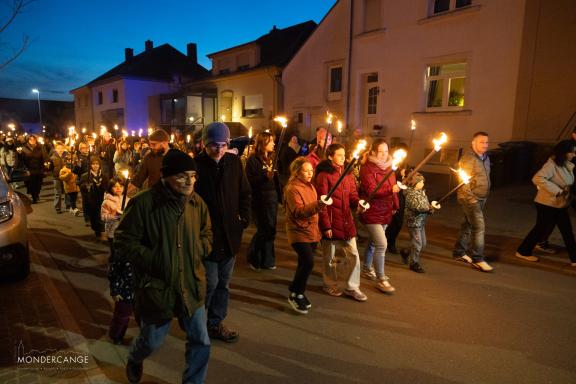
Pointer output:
452, 324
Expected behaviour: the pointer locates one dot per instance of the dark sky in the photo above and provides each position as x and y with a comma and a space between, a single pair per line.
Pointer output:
75, 41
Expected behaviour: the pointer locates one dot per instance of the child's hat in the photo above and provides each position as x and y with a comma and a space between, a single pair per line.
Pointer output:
418, 177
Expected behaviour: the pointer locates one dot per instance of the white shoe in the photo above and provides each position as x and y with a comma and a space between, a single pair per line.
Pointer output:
384, 286
527, 258
483, 266
465, 259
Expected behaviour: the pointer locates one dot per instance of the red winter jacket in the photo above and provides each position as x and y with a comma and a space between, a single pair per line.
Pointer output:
338, 216
384, 201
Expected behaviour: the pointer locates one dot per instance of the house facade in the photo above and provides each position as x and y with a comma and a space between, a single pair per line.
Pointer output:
457, 66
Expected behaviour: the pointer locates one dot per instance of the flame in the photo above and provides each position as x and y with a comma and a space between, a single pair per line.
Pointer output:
140, 132
150, 130
133, 133
126, 174
124, 133
115, 127
103, 129
329, 117
94, 135
439, 141
282, 120
172, 138
397, 157
250, 133
339, 125
359, 148
188, 138
83, 130
464, 177
41, 140
71, 130
413, 125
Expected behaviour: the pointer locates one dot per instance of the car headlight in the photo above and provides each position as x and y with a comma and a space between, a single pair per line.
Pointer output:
6, 211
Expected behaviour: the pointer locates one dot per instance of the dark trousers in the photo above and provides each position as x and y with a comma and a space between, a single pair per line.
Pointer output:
393, 229
34, 185
95, 221
546, 219
305, 266
72, 197
261, 250
85, 211
120, 319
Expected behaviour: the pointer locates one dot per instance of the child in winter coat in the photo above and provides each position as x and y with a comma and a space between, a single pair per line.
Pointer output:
415, 214
69, 180
119, 273
93, 185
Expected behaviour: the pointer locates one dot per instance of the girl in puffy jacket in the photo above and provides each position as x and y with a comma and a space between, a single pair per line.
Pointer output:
119, 272
69, 180
382, 207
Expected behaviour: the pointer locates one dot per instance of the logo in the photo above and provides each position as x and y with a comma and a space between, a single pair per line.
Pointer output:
50, 359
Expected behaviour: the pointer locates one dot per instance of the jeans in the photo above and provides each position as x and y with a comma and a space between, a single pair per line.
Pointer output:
471, 239
197, 352
305, 266
218, 275
379, 242
350, 264
417, 242
546, 219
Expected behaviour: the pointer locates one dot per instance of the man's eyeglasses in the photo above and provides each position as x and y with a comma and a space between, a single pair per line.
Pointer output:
217, 146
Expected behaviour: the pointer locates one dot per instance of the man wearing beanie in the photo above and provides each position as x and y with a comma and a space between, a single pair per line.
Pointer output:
224, 187
166, 226
152, 163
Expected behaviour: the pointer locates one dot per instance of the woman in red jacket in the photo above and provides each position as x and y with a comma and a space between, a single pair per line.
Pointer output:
302, 207
337, 224
382, 207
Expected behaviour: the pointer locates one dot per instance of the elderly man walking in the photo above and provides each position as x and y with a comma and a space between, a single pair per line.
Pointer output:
166, 234
469, 247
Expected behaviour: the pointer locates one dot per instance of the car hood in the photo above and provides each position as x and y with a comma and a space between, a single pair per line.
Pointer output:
4, 189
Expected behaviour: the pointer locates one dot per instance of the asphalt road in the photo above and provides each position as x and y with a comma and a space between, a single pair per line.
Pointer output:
452, 324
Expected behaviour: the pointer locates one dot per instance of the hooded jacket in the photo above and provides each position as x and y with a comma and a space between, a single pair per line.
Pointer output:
338, 216
166, 243
301, 203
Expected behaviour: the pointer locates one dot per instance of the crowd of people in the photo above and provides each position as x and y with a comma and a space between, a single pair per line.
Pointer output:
174, 220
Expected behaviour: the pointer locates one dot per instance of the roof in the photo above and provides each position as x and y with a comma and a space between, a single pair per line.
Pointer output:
279, 45
161, 63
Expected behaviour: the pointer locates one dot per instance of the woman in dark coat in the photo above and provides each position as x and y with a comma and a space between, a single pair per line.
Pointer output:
34, 158
261, 176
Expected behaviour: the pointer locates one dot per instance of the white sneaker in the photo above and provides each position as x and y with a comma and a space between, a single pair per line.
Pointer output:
76, 212
527, 258
368, 273
464, 259
384, 286
483, 266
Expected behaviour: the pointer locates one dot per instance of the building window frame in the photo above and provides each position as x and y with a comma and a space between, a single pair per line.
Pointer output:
100, 98
446, 85
252, 106
439, 7
335, 81
114, 95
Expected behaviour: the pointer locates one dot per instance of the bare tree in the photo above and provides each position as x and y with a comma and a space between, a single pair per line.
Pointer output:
15, 8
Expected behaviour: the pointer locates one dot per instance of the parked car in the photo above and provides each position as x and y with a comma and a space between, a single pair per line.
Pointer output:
14, 252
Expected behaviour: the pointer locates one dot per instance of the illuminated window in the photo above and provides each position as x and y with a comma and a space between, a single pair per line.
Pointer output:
252, 106
446, 86
439, 6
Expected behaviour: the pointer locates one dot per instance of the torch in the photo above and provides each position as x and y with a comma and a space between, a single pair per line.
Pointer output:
465, 179
412, 129
249, 142
126, 175
327, 199
284, 123
329, 117
437, 147
398, 156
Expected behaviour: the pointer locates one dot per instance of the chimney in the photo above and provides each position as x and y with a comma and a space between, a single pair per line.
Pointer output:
128, 54
191, 52
148, 44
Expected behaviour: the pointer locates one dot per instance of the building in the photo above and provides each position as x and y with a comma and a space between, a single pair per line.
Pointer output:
458, 66
245, 85
127, 96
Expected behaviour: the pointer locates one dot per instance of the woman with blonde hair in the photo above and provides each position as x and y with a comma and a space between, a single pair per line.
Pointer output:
263, 181
302, 207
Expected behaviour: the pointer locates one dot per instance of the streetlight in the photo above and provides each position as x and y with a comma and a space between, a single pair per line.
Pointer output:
37, 92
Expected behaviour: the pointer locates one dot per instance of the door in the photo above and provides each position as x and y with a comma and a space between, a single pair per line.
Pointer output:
370, 93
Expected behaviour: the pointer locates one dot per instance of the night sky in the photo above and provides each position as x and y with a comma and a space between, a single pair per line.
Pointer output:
75, 41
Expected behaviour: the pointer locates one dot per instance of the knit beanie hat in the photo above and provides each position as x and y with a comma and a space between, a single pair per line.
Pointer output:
176, 161
418, 177
159, 135
216, 132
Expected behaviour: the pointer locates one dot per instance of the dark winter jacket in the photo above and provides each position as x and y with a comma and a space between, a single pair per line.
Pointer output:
226, 191
417, 208
166, 242
478, 168
264, 192
93, 187
34, 159
384, 202
149, 169
338, 216
106, 152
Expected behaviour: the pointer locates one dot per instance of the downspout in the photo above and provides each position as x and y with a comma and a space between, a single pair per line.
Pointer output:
350, 38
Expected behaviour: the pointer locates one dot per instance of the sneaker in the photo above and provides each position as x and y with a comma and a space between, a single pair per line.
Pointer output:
76, 212
464, 259
297, 303
544, 246
272, 268
384, 286
356, 294
220, 332
368, 272
527, 258
416, 267
483, 266
332, 291
134, 371
306, 301
393, 249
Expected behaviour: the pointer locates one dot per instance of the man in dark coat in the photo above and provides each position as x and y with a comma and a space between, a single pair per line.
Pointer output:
165, 233
106, 149
224, 187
